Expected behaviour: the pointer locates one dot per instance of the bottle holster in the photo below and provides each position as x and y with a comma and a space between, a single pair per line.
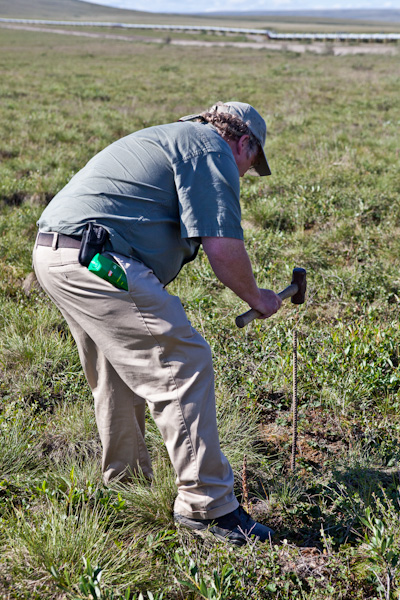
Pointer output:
93, 241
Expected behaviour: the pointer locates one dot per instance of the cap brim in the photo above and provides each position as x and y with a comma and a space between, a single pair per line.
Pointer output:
261, 167
189, 118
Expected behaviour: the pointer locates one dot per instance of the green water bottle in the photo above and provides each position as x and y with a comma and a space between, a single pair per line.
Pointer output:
107, 269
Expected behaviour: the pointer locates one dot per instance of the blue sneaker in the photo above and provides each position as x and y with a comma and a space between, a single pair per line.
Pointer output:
236, 527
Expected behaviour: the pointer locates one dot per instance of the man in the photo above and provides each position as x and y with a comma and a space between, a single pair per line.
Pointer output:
152, 198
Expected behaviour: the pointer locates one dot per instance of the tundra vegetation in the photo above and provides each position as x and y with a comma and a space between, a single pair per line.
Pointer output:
330, 206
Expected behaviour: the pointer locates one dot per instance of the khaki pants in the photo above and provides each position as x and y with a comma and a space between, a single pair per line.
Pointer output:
138, 346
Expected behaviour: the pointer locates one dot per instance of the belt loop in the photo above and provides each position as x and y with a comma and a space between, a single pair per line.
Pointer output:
55, 241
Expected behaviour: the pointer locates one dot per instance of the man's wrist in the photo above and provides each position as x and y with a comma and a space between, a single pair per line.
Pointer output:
254, 300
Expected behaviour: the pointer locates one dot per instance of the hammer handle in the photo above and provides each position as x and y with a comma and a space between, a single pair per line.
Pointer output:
250, 315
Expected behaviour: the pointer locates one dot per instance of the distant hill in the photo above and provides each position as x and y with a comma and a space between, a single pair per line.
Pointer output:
330, 20
63, 9
383, 15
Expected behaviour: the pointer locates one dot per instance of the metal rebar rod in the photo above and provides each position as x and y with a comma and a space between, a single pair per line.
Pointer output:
294, 403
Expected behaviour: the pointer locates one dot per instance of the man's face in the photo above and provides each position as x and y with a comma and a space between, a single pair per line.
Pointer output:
244, 160
247, 163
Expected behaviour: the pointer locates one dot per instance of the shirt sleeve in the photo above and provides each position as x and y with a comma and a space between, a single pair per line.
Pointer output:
208, 191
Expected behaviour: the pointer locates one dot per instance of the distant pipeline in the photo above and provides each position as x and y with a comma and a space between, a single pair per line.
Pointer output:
271, 35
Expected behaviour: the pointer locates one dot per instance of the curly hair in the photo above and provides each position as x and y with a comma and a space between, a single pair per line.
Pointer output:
230, 127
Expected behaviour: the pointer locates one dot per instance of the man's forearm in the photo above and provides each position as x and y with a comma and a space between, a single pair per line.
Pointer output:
231, 264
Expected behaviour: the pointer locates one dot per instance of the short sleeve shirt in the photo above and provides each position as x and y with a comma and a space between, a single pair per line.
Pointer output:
157, 191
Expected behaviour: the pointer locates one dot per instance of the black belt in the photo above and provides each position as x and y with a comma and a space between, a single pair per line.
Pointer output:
63, 241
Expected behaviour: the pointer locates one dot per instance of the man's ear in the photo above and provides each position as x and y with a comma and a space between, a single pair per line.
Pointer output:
242, 144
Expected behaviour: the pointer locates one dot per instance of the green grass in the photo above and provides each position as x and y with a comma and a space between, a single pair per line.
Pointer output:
330, 206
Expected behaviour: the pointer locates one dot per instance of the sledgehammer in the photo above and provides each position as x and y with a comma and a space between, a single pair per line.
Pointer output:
296, 291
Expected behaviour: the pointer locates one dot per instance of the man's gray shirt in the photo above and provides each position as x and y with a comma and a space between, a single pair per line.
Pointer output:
157, 192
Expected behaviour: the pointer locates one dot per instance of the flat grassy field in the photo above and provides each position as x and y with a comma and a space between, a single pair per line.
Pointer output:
330, 206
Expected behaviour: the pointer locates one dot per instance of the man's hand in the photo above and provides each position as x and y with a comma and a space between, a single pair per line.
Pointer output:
269, 303
232, 266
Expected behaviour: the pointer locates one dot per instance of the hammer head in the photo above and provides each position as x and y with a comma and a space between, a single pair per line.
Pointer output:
299, 279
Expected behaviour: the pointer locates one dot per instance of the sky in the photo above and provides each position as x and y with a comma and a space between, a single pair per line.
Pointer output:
210, 6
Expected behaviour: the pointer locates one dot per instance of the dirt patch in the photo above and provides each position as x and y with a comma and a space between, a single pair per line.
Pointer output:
319, 439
